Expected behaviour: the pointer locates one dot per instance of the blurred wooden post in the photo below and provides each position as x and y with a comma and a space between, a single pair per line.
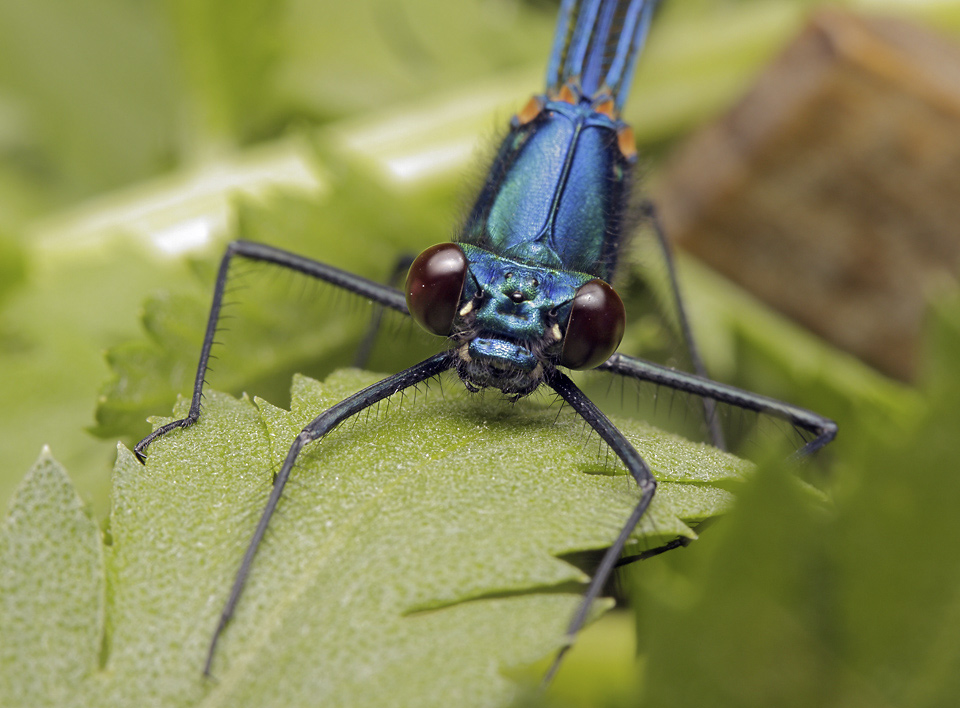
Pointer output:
832, 190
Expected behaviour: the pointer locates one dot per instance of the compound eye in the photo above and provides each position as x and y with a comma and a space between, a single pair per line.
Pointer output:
595, 328
434, 285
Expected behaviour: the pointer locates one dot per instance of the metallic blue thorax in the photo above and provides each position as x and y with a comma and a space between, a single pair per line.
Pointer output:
557, 193
551, 214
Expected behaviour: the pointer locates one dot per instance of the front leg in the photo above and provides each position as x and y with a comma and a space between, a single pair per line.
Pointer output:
641, 474
396, 279
649, 211
316, 429
823, 429
380, 294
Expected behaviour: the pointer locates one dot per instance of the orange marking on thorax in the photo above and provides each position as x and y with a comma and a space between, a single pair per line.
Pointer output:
627, 143
567, 94
606, 107
530, 111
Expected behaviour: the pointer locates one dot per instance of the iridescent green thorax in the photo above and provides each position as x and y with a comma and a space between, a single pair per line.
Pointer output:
557, 194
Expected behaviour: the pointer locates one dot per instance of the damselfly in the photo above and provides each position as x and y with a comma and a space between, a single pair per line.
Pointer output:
524, 291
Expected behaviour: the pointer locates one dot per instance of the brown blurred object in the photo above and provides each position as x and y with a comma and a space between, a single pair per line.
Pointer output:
832, 190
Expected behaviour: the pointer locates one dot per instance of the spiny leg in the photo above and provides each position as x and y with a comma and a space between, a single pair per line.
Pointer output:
400, 269
680, 542
320, 426
823, 429
380, 294
709, 407
588, 410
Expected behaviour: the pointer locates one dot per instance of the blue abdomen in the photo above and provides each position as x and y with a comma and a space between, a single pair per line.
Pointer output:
557, 193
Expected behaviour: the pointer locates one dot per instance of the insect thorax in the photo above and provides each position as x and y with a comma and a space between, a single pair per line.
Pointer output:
557, 194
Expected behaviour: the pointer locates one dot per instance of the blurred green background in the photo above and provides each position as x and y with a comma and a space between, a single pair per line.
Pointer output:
137, 137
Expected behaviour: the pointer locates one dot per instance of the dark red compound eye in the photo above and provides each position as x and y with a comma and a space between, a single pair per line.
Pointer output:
434, 285
595, 328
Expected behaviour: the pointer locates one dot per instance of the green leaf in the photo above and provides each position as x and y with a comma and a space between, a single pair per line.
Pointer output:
93, 91
228, 53
857, 605
12, 266
53, 328
277, 322
412, 561
51, 590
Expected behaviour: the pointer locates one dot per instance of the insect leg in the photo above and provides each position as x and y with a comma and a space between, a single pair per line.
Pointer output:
380, 294
823, 429
709, 407
562, 384
400, 269
320, 426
